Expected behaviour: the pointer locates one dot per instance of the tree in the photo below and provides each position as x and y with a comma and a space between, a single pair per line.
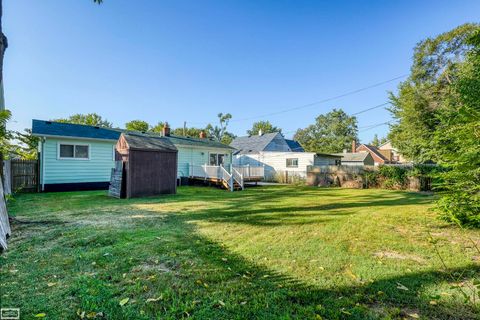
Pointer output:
91, 119
457, 138
378, 142
219, 132
265, 126
422, 97
188, 132
137, 125
331, 132
158, 128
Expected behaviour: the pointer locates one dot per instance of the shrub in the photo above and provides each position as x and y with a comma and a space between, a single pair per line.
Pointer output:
462, 209
393, 176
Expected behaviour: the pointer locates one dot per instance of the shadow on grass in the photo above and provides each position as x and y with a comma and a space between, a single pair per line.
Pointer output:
195, 276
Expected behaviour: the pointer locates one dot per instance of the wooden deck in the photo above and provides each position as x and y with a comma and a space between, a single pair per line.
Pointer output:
232, 178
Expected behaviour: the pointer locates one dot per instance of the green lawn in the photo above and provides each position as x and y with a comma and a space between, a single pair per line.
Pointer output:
275, 252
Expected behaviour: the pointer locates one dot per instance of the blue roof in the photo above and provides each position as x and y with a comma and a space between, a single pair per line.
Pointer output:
50, 128
294, 145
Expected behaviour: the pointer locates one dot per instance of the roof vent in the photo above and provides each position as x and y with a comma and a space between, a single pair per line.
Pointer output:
260, 132
96, 127
48, 122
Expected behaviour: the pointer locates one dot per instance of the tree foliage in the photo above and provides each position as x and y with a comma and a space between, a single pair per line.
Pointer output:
438, 113
137, 125
457, 138
265, 126
91, 119
188, 132
378, 141
422, 97
331, 132
219, 132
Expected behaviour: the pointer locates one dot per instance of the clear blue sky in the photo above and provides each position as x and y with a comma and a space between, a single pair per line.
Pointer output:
181, 61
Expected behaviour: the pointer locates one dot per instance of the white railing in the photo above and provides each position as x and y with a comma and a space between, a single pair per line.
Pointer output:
251, 171
206, 172
226, 177
237, 176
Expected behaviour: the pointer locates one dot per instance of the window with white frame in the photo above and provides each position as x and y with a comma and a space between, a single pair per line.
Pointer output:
292, 163
217, 159
74, 151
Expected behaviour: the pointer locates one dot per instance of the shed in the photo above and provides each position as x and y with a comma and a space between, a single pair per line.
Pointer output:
149, 165
356, 159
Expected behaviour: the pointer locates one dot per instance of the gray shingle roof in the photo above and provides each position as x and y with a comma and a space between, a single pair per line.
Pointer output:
252, 144
140, 141
353, 157
294, 145
51, 128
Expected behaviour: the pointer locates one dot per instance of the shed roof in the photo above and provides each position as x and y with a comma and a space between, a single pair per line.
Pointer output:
138, 141
253, 144
52, 128
353, 157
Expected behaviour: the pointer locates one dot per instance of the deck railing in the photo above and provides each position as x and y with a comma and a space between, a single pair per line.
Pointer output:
238, 177
249, 172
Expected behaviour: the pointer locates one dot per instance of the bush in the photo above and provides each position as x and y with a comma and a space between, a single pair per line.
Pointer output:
393, 177
462, 209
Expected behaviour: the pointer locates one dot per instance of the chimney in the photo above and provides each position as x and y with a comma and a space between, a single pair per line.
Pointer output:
344, 150
354, 146
166, 130
202, 135
260, 132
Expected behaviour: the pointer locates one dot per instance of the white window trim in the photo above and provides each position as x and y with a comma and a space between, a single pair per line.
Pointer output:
225, 155
113, 152
74, 144
291, 166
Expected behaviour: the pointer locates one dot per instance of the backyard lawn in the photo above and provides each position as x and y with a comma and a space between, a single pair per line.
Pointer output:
275, 252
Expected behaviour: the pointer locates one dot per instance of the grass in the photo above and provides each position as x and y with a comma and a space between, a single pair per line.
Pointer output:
264, 253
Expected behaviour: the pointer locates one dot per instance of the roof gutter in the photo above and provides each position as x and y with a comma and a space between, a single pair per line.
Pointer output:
70, 137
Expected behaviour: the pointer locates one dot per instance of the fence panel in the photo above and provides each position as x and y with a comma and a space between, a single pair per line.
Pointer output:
24, 175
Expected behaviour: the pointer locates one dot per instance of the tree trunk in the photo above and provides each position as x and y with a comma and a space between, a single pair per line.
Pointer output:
3, 47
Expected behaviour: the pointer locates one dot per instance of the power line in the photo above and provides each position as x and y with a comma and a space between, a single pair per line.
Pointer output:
323, 100
372, 108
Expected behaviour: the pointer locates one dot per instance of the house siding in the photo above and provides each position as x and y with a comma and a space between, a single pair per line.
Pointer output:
276, 162
60, 171
197, 156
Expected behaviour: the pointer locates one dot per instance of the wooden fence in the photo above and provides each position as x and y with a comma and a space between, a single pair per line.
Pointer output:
24, 175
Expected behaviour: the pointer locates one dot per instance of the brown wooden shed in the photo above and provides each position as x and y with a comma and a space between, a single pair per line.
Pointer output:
149, 165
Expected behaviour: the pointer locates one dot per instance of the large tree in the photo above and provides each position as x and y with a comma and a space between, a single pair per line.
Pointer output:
422, 97
457, 141
91, 119
376, 141
331, 132
219, 132
265, 126
137, 125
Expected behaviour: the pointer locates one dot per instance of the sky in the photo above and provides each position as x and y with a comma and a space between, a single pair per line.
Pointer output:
180, 60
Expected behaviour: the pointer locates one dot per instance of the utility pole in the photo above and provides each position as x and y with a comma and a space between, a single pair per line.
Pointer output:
184, 128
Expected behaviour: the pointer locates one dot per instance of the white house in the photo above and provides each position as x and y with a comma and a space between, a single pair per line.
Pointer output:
278, 155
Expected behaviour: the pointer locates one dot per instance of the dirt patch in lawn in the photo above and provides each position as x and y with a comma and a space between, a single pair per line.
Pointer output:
399, 256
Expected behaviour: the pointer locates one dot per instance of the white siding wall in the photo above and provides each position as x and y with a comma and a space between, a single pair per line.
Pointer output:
276, 162
197, 156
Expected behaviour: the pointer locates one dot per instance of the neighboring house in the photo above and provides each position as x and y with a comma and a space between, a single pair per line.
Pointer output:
261, 142
379, 156
278, 155
387, 148
80, 157
277, 163
356, 159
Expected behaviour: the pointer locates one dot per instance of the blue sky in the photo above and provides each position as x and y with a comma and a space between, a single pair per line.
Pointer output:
181, 61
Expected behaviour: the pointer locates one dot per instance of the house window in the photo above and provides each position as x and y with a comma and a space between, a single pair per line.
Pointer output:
74, 151
292, 163
217, 159
338, 162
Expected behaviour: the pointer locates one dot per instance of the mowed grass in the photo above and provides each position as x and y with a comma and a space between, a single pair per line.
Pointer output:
276, 252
